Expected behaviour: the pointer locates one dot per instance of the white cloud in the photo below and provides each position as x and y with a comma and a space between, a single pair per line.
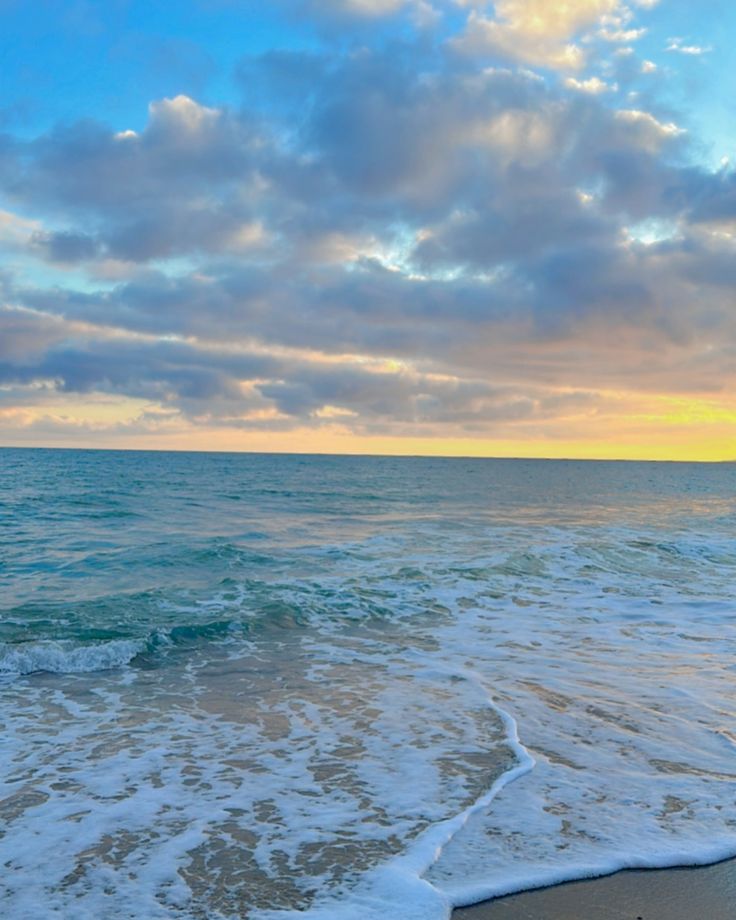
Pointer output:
621, 35
545, 34
593, 85
676, 44
181, 114
649, 131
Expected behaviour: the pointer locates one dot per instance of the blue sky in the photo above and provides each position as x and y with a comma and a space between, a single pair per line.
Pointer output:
402, 225
63, 60
66, 60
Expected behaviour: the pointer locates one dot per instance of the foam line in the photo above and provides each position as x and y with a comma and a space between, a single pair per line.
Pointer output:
681, 858
429, 846
400, 882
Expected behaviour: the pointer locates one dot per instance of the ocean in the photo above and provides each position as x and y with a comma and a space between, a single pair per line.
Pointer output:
268, 686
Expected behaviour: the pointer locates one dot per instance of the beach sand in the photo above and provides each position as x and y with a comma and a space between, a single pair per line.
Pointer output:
702, 893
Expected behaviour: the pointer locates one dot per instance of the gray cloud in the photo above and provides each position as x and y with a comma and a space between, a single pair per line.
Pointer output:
481, 228
220, 384
65, 247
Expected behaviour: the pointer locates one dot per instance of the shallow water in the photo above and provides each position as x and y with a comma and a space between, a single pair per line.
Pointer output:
244, 685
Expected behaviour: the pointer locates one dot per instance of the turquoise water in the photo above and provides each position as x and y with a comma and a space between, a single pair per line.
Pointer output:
241, 685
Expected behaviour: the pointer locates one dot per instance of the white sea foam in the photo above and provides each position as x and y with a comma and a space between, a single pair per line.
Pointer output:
67, 657
400, 881
368, 765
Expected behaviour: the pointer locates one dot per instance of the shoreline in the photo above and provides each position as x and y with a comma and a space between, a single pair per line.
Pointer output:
630, 894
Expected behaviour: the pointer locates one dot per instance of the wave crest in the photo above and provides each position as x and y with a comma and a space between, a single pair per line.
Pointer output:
66, 657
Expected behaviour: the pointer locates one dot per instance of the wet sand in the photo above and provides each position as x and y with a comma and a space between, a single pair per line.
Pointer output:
704, 892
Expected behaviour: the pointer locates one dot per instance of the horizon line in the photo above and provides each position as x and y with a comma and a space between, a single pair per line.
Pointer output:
314, 453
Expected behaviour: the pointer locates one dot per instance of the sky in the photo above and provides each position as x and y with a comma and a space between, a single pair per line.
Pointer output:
448, 227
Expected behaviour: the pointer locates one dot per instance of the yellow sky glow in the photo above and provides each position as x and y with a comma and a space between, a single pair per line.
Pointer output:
684, 430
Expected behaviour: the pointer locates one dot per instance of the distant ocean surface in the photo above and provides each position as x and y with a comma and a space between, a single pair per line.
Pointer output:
254, 686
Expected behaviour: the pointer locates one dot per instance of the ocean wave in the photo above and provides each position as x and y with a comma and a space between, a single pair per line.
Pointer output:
69, 656
65, 657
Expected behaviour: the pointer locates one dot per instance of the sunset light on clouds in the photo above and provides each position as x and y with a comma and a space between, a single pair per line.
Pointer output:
369, 226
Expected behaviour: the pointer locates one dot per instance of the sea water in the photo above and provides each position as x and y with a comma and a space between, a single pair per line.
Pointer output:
336, 687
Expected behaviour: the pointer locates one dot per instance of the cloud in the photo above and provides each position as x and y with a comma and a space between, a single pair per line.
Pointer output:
535, 31
26, 336
15, 230
621, 35
369, 8
651, 132
64, 246
365, 14
677, 45
220, 385
386, 239
592, 85
182, 183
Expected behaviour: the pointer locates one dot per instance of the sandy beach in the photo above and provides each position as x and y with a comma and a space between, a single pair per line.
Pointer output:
707, 892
